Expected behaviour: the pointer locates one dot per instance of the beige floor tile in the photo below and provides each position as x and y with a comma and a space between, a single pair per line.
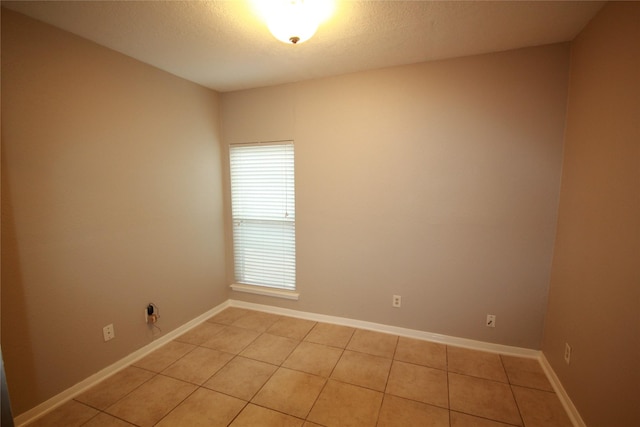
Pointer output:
270, 349
158, 360
313, 358
198, 366
110, 390
236, 362
231, 339
483, 398
204, 408
526, 372
540, 408
362, 369
253, 416
150, 402
415, 382
105, 420
374, 343
331, 335
241, 377
256, 321
291, 392
465, 420
70, 414
291, 327
201, 333
346, 405
421, 352
399, 412
229, 315
475, 363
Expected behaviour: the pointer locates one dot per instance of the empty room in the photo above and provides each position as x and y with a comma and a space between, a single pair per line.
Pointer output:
320, 213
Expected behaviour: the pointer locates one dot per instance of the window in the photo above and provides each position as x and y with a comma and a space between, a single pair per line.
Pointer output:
263, 213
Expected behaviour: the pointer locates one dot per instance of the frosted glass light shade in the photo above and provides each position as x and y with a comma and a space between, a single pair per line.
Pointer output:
292, 21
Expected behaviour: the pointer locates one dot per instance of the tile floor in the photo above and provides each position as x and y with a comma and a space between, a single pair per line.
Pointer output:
248, 368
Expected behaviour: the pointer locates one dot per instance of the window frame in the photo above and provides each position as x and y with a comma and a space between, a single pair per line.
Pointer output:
284, 217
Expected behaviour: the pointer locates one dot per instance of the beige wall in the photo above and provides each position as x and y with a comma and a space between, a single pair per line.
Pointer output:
594, 300
438, 182
111, 199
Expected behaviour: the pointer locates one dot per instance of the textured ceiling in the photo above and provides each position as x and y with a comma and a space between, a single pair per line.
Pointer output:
225, 46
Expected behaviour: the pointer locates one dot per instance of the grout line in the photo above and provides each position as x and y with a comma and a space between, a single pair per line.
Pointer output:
89, 420
262, 386
308, 332
324, 386
342, 350
276, 410
179, 403
384, 396
517, 406
504, 369
239, 412
386, 382
488, 419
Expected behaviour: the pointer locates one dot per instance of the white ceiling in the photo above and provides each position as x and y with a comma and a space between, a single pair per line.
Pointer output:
225, 46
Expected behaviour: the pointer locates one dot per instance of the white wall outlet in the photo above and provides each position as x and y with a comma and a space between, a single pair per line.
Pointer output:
491, 320
397, 300
108, 332
567, 353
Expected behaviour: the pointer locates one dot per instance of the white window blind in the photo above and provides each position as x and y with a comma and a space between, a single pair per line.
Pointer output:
263, 210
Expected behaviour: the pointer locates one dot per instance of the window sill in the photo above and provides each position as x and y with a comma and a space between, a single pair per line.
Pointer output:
263, 290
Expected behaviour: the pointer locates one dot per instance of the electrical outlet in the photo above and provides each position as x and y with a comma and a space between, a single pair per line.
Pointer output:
108, 333
567, 353
491, 320
150, 314
397, 300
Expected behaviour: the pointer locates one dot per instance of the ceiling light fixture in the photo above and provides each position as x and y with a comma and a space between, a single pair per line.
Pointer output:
294, 21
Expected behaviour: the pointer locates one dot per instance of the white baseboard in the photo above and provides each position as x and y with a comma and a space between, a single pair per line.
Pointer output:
405, 332
68, 394
89, 382
571, 410
568, 405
